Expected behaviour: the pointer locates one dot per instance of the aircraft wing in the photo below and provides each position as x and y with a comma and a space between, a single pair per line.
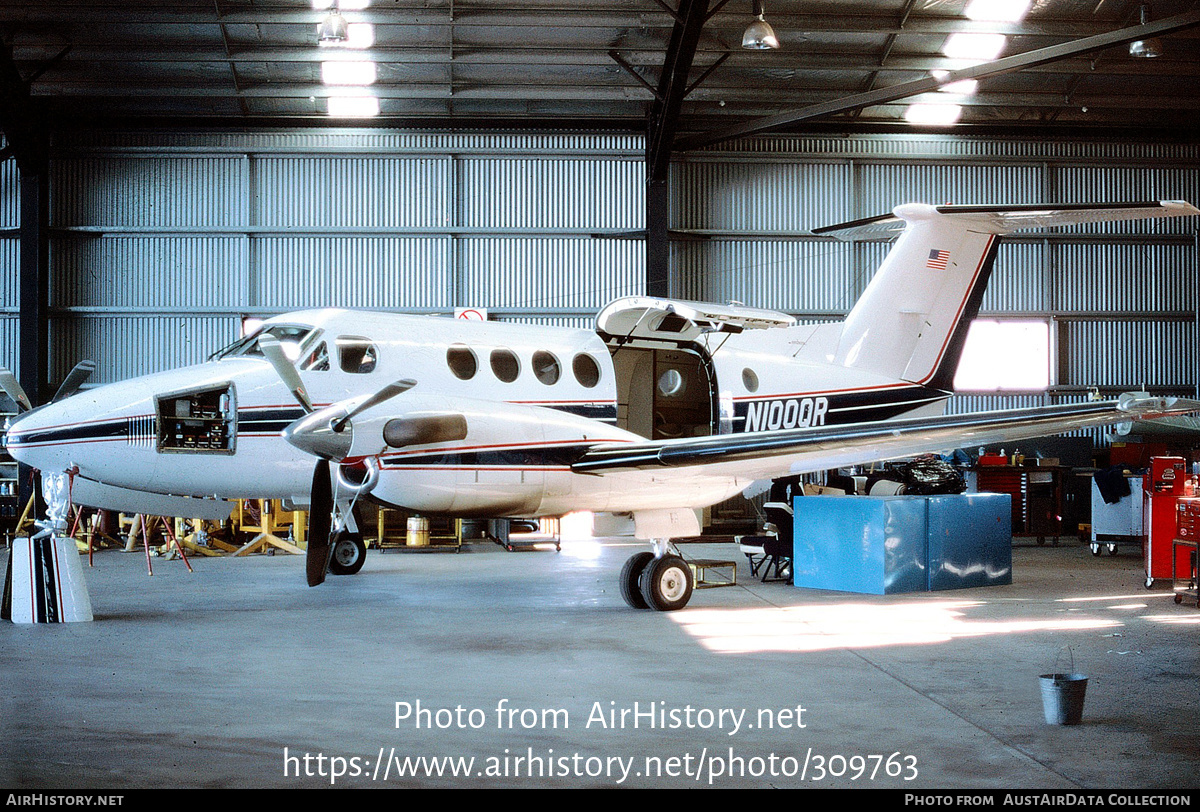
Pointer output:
772, 454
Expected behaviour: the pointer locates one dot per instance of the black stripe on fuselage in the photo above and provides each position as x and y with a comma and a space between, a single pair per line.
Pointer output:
771, 413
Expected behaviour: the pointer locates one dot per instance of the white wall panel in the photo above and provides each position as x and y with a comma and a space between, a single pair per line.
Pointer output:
882, 187
771, 196
549, 274
550, 193
127, 345
379, 272
161, 192
164, 273
1126, 277
788, 275
351, 191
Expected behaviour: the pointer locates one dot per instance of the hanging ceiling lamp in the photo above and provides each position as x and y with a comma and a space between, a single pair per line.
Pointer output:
759, 35
1146, 48
333, 29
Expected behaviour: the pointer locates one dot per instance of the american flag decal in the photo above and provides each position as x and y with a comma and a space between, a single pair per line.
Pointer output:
937, 260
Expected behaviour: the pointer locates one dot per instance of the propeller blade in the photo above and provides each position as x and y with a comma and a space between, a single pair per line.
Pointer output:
320, 525
386, 393
8, 382
75, 379
272, 350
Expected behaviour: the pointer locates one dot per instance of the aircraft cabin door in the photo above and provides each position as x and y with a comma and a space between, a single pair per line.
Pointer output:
665, 393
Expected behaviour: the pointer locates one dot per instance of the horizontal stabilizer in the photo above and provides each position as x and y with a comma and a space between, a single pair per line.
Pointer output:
1006, 219
772, 454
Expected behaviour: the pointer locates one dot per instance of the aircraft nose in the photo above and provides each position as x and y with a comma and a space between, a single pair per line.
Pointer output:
25, 434
314, 434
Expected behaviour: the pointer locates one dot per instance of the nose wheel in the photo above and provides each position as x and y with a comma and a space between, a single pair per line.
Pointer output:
349, 552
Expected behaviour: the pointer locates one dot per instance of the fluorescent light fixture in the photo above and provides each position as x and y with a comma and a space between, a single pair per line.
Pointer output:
933, 115
1004, 11
963, 87
976, 47
344, 5
348, 73
358, 35
353, 106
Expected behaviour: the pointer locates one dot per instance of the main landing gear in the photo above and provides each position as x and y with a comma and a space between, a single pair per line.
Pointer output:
660, 580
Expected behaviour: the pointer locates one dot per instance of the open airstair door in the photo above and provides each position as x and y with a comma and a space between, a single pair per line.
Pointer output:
662, 357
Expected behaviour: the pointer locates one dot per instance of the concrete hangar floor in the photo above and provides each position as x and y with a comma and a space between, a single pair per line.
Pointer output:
526, 669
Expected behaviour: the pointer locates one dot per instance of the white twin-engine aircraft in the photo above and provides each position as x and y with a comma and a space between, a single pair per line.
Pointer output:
667, 407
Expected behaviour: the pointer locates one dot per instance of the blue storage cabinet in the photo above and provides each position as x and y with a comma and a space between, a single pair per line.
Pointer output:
893, 544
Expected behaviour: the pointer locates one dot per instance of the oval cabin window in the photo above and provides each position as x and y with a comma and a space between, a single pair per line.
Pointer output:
505, 365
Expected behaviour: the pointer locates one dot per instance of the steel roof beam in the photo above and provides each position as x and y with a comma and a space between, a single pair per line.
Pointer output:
905, 90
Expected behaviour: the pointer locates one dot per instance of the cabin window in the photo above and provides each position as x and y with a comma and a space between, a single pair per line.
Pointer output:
586, 370
671, 383
356, 355
462, 362
749, 380
546, 367
505, 365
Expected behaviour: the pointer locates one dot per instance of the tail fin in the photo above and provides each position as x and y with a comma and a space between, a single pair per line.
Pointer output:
912, 320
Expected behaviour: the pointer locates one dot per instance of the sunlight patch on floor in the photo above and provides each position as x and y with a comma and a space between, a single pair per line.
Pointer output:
855, 625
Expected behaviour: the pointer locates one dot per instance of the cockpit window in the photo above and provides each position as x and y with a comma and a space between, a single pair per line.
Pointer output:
317, 360
356, 354
291, 337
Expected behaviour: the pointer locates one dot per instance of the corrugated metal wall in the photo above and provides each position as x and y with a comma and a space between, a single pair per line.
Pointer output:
161, 243
1121, 298
10, 210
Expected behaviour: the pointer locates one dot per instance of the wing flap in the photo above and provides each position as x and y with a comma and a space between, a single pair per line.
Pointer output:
779, 453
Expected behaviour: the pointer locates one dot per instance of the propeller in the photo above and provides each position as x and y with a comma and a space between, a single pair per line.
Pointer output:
76, 378
272, 350
320, 525
325, 435
8, 382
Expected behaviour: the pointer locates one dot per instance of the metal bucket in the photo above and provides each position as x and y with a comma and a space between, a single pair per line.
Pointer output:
1062, 698
418, 531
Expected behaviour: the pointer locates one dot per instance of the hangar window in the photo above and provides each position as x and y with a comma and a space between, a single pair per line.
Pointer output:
356, 354
545, 367
505, 365
462, 362
1005, 355
586, 370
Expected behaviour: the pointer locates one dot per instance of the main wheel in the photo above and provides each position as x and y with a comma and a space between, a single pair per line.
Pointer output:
667, 583
349, 553
631, 578
1095, 548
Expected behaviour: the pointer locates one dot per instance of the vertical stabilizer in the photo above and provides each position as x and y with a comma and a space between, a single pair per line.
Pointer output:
911, 322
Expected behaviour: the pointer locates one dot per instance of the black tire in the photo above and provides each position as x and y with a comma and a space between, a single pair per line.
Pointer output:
631, 578
1095, 548
667, 584
348, 554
